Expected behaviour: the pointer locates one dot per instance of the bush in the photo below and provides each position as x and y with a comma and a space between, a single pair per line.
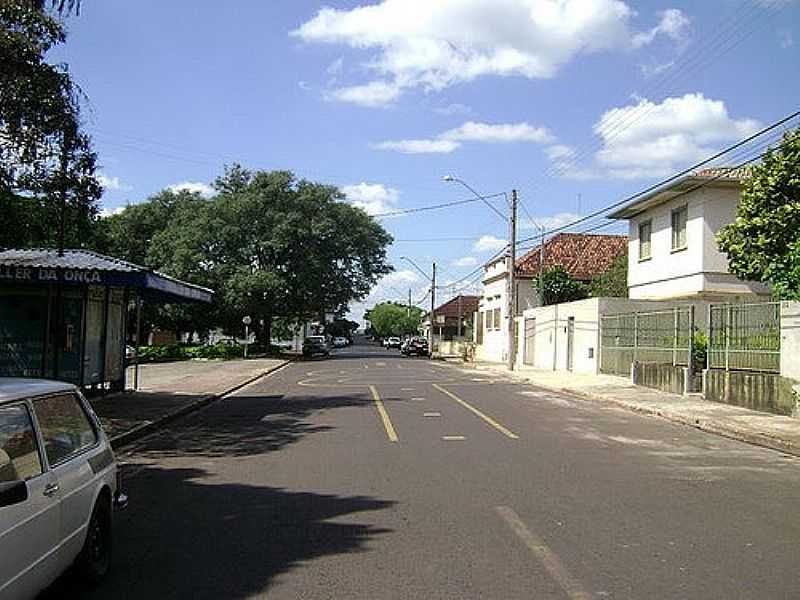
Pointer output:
186, 352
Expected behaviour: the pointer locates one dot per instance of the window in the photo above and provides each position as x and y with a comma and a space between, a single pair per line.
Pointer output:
19, 456
66, 428
497, 318
679, 216
645, 230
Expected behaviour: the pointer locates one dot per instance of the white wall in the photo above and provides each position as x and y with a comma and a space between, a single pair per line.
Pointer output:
494, 343
790, 340
699, 270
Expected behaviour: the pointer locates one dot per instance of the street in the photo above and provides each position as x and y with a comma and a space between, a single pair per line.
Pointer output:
369, 475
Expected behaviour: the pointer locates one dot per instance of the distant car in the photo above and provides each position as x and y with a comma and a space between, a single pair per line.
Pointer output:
130, 353
393, 342
315, 344
417, 346
59, 486
340, 342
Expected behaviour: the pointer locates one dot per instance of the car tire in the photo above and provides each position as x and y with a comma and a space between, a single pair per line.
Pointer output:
94, 561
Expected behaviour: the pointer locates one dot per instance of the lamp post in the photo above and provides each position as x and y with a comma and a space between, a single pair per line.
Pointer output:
512, 267
432, 279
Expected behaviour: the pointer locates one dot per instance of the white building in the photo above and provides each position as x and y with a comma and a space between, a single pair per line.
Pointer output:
672, 247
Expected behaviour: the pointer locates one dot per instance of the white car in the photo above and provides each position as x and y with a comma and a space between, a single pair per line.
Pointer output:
59, 486
339, 342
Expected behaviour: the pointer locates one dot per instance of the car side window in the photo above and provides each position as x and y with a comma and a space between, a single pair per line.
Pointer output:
66, 428
19, 454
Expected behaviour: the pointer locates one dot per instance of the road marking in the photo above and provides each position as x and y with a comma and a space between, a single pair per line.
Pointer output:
432, 414
453, 438
387, 422
418, 399
549, 559
482, 415
406, 389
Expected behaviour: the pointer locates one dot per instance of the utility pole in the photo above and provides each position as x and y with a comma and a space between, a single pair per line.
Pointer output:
512, 285
541, 268
433, 308
408, 311
459, 316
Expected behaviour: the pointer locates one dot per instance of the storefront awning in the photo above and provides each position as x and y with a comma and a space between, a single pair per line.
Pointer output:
83, 267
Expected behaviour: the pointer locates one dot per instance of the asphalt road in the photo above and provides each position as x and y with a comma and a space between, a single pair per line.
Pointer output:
373, 476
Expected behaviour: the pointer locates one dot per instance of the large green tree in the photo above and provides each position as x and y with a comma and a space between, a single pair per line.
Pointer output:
273, 246
390, 318
559, 286
614, 282
47, 166
763, 243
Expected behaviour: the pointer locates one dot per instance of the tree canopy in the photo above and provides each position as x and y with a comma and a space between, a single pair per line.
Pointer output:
45, 157
763, 243
269, 244
613, 283
389, 318
559, 286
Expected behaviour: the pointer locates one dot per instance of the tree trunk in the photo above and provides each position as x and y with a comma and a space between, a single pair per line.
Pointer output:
268, 332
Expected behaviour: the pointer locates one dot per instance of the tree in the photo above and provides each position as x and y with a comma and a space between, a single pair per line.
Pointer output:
614, 282
763, 243
341, 328
273, 246
559, 287
46, 161
389, 318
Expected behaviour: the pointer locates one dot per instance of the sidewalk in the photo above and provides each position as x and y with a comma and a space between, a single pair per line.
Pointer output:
763, 429
169, 390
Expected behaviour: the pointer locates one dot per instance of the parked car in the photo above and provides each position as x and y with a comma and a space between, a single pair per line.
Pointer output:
59, 486
315, 344
417, 346
393, 342
340, 342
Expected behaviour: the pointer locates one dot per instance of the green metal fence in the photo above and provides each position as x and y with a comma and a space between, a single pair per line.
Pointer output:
663, 336
745, 337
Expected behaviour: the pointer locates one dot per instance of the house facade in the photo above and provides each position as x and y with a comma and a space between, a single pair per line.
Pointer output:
583, 256
672, 247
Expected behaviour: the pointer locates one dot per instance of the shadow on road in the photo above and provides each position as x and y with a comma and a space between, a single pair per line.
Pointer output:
201, 539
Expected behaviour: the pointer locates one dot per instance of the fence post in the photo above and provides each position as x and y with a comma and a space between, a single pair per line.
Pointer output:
710, 344
727, 336
690, 368
675, 336
635, 336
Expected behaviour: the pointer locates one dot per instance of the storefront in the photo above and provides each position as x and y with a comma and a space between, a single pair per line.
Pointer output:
64, 317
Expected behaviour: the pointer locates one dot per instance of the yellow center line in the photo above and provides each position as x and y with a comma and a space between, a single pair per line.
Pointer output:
481, 414
387, 422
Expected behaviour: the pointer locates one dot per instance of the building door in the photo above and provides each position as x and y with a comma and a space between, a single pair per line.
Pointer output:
530, 341
570, 341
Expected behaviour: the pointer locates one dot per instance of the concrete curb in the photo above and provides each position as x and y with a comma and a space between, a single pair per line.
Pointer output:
756, 439
127, 437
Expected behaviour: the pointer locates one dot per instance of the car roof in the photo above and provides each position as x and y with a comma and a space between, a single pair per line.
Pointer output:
14, 388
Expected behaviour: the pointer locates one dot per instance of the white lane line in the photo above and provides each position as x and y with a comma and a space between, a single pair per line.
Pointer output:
432, 414
418, 399
406, 389
549, 559
453, 438
380, 364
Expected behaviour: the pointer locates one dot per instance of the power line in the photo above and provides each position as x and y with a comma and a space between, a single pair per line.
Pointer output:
670, 179
408, 211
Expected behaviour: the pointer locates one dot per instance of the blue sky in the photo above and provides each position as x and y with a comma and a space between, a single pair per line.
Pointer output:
559, 99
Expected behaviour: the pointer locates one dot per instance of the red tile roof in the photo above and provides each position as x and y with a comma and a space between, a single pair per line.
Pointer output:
583, 256
469, 304
738, 173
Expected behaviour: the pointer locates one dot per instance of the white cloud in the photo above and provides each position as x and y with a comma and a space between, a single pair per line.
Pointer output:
559, 152
372, 94
373, 198
489, 243
335, 67
419, 43
194, 187
107, 212
465, 261
304, 85
786, 39
112, 183
656, 69
453, 108
403, 276
658, 139
674, 25
500, 132
450, 140
419, 146
549, 222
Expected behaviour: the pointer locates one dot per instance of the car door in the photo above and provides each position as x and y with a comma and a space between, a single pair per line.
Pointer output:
30, 529
70, 441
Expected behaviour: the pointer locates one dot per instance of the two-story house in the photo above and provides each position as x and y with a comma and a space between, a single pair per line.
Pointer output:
672, 247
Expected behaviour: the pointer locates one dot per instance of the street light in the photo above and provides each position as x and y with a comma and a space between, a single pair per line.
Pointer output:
432, 279
512, 267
